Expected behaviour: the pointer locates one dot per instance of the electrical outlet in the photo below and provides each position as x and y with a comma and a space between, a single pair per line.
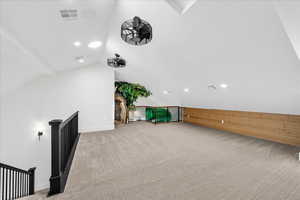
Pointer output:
222, 121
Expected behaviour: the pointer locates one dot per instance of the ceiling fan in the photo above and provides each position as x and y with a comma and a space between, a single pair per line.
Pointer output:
136, 31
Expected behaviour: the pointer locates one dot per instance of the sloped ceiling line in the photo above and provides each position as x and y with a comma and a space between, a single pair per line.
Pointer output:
181, 6
289, 26
5, 34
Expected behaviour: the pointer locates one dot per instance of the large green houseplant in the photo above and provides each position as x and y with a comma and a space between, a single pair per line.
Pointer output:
131, 92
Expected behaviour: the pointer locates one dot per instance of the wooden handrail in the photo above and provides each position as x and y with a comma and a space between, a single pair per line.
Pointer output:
12, 168
69, 119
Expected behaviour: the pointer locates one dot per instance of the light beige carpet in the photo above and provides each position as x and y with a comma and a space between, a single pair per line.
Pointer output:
177, 161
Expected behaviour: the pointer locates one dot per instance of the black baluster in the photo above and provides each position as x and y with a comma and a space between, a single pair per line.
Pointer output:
62, 138
68, 138
22, 184
68, 141
73, 131
18, 194
19, 185
27, 184
15, 193
6, 173
0, 180
67, 145
9, 186
9, 182
3, 183
13, 184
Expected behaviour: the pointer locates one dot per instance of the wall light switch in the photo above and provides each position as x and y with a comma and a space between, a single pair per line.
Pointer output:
222, 121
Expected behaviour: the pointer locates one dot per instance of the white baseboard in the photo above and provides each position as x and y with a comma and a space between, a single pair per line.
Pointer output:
42, 186
102, 127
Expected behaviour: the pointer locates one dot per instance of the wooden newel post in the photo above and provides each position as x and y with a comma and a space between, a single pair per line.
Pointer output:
55, 179
31, 172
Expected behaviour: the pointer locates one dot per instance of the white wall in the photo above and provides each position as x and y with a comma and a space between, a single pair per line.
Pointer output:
289, 14
1, 118
89, 90
1, 130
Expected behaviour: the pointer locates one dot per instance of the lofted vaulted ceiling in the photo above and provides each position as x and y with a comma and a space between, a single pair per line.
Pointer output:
242, 45
251, 46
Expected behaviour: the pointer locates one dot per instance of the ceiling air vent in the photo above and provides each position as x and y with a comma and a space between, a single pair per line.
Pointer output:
69, 14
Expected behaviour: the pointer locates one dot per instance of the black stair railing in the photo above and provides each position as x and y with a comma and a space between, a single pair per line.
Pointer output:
64, 139
15, 183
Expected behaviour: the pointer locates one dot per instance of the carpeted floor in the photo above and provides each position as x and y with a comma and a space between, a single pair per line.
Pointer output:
177, 161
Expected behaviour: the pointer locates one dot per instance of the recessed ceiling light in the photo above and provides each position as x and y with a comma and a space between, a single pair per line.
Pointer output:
186, 90
223, 85
80, 59
95, 44
77, 44
166, 92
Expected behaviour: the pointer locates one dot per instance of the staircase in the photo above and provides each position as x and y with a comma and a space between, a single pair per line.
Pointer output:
16, 183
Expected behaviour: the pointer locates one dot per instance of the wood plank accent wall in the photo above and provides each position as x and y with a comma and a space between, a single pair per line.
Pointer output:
274, 127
